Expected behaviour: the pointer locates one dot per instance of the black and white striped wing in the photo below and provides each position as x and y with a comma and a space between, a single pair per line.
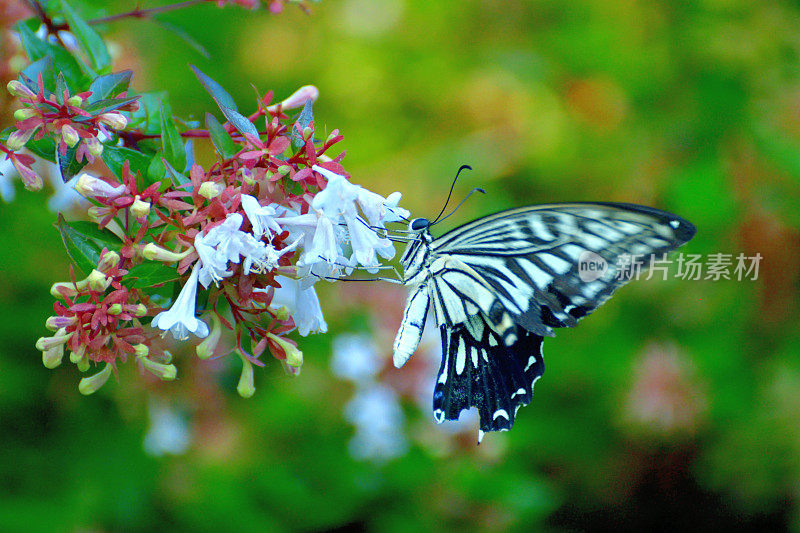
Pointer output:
479, 369
522, 266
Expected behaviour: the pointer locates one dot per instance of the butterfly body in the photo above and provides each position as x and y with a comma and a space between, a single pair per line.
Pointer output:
499, 284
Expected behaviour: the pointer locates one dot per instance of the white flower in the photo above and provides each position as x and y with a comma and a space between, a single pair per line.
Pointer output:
337, 207
376, 413
225, 243
366, 243
180, 319
379, 210
7, 174
376, 209
168, 433
355, 357
302, 303
261, 217
337, 197
321, 239
65, 196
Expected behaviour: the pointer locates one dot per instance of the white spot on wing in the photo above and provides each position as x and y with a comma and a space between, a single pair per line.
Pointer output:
675, 224
518, 393
461, 356
500, 412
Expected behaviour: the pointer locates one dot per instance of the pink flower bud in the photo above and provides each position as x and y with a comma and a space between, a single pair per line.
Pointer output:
94, 146
154, 252
115, 120
93, 383
210, 189
19, 89
18, 139
54, 323
52, 357
247, 176
298, 98
246, 387
23, 114
139, 208
206, 348
92, 187
32, 181
165, 372
109, 260
69, 135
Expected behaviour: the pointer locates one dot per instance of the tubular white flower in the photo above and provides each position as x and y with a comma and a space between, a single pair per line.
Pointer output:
261, 217
92, 187
302, 303
179, 319
366, 243
221, 244
341, 201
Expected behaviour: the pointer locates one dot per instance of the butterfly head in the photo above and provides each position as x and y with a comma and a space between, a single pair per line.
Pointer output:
421, 227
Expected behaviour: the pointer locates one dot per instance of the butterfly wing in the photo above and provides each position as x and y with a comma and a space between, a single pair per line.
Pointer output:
523, 266
479, 369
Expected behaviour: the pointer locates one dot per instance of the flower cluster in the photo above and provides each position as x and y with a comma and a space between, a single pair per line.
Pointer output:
176, 250
76, 122
248, 236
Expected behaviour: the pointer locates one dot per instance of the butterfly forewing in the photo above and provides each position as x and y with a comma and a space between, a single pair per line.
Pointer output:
531, 257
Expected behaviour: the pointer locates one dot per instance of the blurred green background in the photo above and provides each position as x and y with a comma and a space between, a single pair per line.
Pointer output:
676, 406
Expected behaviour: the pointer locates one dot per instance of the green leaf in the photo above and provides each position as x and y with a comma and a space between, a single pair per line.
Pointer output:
171, 141
110, 104
61, 87
305, 118
148, 116
156, 170
115, 157
220, 138
177, 177
30, 75
44, 148
68, 165
91, 43
150, 273
84, 241
109, 85
226, 104
62, 60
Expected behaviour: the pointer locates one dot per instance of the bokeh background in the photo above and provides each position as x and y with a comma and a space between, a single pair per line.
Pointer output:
676, 406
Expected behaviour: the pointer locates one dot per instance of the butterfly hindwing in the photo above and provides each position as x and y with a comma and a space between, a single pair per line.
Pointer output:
486, 373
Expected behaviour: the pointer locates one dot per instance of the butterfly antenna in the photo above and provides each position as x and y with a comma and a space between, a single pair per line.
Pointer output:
462, 167
476, 189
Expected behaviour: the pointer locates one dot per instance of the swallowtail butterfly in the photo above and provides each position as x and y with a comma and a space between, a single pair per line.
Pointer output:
501, 283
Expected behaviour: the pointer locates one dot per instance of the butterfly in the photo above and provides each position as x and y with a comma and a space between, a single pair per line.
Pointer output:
499, 284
